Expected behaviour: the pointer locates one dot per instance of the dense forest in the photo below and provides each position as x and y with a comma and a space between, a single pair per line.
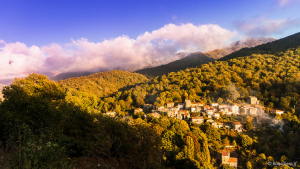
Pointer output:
47, 124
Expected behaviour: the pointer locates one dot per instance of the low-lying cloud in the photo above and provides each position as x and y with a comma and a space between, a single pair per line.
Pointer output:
148, 49
260, 26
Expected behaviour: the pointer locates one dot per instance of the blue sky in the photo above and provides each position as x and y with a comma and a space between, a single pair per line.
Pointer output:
40, 22
51, 32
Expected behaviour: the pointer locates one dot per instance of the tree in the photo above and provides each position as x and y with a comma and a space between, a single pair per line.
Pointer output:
35, 101
220, 100
212, 133
284, 102
248, 125
226, 141
234, 143
249, 165
226, 166
246, 140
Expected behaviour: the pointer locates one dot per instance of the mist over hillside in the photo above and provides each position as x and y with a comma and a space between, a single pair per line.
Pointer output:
281, 45
198, 58
252, 42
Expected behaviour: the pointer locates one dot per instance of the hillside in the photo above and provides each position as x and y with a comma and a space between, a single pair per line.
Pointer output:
87, 90
273, 78
63, 123
198, 58
191, 60
63, 76
252, 42
281, 45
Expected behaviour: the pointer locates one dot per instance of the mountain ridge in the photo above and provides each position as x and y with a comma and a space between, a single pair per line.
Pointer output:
198, 58
274, 47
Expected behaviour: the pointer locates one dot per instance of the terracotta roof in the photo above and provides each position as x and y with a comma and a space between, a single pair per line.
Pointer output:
232, 160
225, 153
237, 123
197, 117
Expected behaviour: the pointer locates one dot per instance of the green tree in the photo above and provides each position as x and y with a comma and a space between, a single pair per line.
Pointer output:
234, 143
284, 102
249, 165
248, 125
246, 140
226, 141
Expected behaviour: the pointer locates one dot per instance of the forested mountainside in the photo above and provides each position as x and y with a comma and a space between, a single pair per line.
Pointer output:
47, 124
272, 78
198, 58
64, 76
292, 41
191, 60
90, 89
252, 42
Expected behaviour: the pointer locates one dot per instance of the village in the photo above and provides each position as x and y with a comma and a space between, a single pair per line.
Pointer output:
198, 113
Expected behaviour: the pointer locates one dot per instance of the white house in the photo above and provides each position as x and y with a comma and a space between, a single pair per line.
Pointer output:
180, 106
110, 113
216, 115
138, 110
193, 109
217, 125
214, 105
234, 108
280, 112
197, 120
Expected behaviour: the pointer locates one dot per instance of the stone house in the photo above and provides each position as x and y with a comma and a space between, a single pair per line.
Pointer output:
217, 125
198, 120
280, 112
226, 159
252, 100
148, 106
237, 126
216, 115
170, 104
137, 110
188, 104
214, 105
180, 106
110, 113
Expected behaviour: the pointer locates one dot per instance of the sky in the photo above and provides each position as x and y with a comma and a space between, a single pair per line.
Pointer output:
57, 36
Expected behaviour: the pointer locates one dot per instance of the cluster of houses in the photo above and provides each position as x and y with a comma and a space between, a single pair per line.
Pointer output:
196, 111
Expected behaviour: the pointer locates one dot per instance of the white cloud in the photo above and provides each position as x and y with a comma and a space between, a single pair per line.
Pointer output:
283, 3
155, 48
260, 26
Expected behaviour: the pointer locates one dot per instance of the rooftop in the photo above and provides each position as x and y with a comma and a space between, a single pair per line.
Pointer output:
197, 117
232, 160
225, 153
237, 123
